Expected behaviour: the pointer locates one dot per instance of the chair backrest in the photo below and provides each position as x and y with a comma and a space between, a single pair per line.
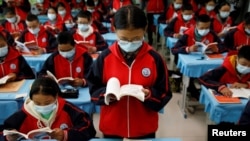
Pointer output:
7, 108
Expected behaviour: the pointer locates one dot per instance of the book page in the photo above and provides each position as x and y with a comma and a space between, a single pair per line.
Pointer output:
132, 90
223, 99
14, 133
241, 93
31, 45
50, 74
42, 133
112, 88
65, 80
22, 47
4, 79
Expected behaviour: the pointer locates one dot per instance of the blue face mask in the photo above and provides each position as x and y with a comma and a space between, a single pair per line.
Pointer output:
45, 109
129, 46
67, 54
3, 51
242, 69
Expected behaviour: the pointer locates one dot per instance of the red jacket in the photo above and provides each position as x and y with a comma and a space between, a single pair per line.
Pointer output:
70, 118
218, 26
45, 39
171, 11
117, 4
14, 62
22, 9
130, 117
19, 26
203, 10
155, 6
58, 25
61, 67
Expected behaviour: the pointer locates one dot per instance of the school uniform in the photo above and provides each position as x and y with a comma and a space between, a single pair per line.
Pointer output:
171, 12
14, 62
225, 74
203, 10
59, 25
218, 25
16, 28
44, 39
76, 124
129, 117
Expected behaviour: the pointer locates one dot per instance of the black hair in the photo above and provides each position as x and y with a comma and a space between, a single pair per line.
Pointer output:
130, 17
244, 52
52, 7
60, 4
203, 18
45, 86
90, 3
247, 18
65, 37
84, 14
218, 7
207, 1
187, 6
10, 10
31, 17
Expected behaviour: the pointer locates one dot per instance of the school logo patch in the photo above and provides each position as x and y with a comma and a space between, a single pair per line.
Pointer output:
44, 40
13, 66
78, 69
64, 126
146, 72
91, 41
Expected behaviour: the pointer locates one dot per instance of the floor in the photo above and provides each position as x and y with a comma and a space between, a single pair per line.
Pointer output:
172, 122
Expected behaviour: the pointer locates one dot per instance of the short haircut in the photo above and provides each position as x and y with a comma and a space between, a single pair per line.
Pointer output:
65, 37
130, 17
244, 52
84, 14
60, 4
221, 5
31, 17
203, 18
51, 7
90, 3
247, 18
45, 86
10, 10
187, 6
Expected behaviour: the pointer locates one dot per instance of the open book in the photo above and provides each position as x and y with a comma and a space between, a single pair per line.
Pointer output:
241, 93
63, 80
115, 89
204, 49
27, 47
223, 99
42, 133
4, 79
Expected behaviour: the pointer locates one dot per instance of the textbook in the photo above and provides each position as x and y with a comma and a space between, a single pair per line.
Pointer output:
26, 47
115, 89
63, 80
42, 133
203, 48
240, 93
223, 99
4, 79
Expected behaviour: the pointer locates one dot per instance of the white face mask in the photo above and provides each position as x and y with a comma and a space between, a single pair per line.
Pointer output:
96, 2
247, 31
242, 69
83, 27
45, 109
177, 6
3, 51
51, 17
129, 46
11, 20
187, 17
39, 1
69, 25
224, 14
62, 12
91, 10
34, 31
67, 54
203, 32
209, 8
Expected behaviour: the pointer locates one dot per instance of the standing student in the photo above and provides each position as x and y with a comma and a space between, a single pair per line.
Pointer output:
44, 108
132, 61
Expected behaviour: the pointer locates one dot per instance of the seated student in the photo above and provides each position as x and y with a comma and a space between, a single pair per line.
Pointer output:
238, 36
245, 116
64, 13
54, 24
187, 43
100, 8
22, 7
222, 22
13, 63
44, 39
208, 8
173, 10
13, 23
90, 6
86, 37
7, 35
184, 19
69, 61
45, 108
234, 71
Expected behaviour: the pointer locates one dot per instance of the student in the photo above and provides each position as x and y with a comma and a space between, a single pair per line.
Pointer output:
234, 71
208, 8
92, 41
45, 40
13, 63
173, 10
184, 19
64, 13
186, 44
13, 23
44, 108
239, 36
132, 61
222, 22
68, 61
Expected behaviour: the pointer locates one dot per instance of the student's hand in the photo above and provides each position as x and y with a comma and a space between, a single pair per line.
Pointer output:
238, 85
57, 134
146, 92
214, 49
77, 82
12, 77
13, 137
92, 50
193, 48
177, 35
226, 92
38, 51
